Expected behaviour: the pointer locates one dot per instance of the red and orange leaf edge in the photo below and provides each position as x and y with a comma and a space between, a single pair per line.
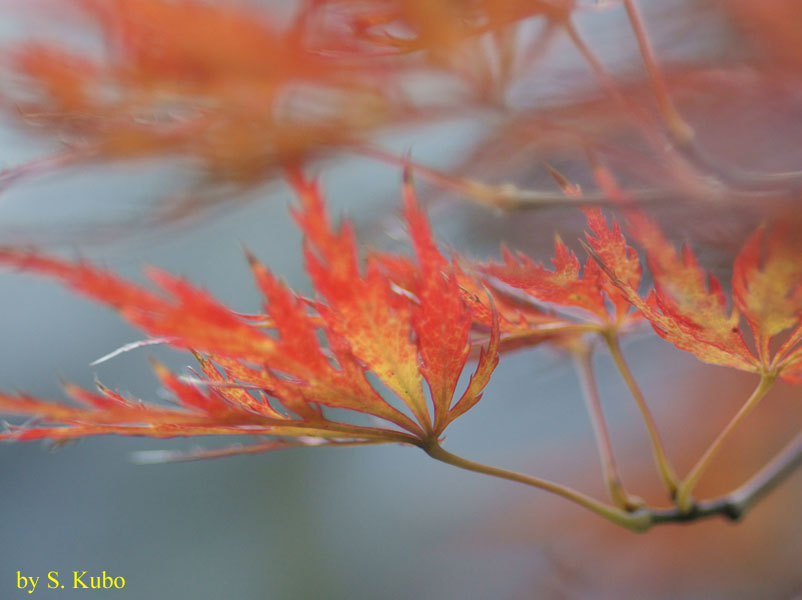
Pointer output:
317, 356
409, 321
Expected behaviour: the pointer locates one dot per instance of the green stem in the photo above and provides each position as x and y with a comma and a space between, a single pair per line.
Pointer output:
636, 521
683, 498
731, 506
663, 464
583, 359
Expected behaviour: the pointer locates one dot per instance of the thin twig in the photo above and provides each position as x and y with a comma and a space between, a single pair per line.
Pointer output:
738, 502
683, 135
684, 171
509, 196
680, 131
636, 521
683, 498
583, 360
663, 464
731, 506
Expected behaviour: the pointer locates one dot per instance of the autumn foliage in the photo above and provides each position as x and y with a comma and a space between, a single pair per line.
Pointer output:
394, 347
275, 375
264, 94
408, 321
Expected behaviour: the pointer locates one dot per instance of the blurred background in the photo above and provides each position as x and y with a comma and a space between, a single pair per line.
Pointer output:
387, 521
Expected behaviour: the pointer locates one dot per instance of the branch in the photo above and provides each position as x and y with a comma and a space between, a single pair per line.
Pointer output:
636, 521
583, 360
738, 502
683, 134
683, 497
664, 467
732, 506
509, 196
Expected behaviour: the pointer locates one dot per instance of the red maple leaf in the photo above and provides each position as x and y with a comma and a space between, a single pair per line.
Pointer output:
533, 304
571, 299
315, 356
690, 308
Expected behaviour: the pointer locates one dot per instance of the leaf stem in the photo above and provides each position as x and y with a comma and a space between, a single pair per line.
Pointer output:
663, 464
738, 502
683, 498
732, 506
583, 360
680, 131
635, 521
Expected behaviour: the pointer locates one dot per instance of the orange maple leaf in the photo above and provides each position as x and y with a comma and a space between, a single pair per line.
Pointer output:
520, 323
532, 304
316, 357
222, 84
269, 92
690, 308
570, 293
